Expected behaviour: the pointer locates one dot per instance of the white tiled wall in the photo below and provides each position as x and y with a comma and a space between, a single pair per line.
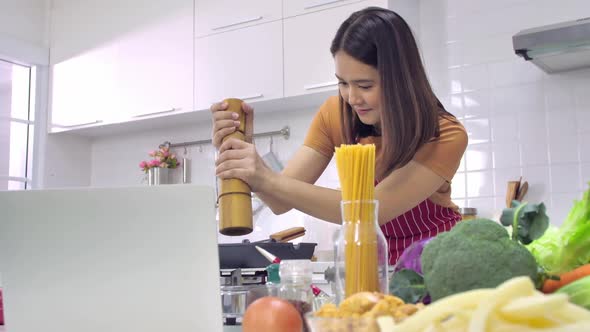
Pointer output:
520, 120
115, 162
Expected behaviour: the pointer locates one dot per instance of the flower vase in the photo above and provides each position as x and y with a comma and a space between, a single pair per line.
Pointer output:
158, 175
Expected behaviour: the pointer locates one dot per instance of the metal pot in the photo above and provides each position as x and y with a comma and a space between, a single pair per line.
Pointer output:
235, 300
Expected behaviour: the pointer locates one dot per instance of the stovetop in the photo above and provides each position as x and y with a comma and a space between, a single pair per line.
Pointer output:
237, 277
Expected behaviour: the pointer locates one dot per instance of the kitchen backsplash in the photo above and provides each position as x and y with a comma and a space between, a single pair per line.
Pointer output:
521, 121
131, 148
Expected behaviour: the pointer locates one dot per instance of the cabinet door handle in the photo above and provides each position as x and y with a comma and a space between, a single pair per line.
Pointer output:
246, 20
314, 4
320, 85
260, 95
76, 125
173, 109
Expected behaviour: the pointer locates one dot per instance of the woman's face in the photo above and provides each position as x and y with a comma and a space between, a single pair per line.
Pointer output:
360, 86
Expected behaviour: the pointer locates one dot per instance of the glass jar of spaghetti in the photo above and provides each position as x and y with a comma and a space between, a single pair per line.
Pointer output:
360, 250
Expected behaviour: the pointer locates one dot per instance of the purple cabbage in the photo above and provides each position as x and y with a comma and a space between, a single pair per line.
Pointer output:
410, 258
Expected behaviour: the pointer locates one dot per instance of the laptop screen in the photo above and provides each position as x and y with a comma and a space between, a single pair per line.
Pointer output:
110, 259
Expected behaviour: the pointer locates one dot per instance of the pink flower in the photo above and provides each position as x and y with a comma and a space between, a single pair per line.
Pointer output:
162, 157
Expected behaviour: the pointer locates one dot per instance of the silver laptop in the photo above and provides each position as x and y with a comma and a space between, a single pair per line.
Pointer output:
114, 259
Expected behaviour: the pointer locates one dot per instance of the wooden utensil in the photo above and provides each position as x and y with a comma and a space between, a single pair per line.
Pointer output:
288, 234
524, 187
512, 192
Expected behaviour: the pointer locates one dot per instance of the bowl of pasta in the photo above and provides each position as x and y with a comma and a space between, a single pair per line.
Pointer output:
364, 312
341, 324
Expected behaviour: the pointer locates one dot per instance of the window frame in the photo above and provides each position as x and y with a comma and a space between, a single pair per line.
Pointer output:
26, 180
36, 57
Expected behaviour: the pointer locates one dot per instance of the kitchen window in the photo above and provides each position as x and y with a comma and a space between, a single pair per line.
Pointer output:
16, 125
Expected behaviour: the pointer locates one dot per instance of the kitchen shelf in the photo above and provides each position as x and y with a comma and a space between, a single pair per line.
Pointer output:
105, 129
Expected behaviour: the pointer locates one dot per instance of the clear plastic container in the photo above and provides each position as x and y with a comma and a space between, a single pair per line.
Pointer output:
360, 251
320, 297
295, 286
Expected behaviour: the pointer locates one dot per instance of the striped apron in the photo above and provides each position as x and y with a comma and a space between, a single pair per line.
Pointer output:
423, 221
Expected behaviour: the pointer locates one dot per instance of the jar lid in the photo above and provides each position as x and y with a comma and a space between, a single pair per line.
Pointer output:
295, 268
272, 272
468, 211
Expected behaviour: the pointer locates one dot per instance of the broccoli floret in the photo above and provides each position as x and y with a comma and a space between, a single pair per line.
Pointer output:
474, 254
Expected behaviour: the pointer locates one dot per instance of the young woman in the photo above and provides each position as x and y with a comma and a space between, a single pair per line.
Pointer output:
385, 98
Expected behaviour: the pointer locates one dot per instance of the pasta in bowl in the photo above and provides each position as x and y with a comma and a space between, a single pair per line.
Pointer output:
360, 312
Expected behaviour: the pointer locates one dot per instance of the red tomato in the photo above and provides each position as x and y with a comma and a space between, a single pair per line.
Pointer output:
271, 314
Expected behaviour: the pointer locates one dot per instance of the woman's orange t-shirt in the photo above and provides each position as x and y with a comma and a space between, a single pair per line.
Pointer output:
442, 155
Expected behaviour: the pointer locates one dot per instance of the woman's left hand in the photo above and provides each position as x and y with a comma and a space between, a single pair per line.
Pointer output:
240, 160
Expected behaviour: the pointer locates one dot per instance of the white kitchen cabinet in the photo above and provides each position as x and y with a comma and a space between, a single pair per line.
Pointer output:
224, 15
299, 7
83, 89
83, 61
245, 63
115, 61
155, 61
309, 66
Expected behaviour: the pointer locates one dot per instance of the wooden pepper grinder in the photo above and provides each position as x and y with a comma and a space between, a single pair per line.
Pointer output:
235, 197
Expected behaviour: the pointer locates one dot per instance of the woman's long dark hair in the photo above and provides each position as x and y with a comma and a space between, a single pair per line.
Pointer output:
381, 38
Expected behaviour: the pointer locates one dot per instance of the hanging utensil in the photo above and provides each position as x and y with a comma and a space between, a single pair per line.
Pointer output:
185, 166
271, 160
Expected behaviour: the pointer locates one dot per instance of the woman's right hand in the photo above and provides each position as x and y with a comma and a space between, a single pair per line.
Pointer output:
225, 122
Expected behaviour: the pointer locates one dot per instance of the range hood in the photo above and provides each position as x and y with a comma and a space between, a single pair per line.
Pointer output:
557, 47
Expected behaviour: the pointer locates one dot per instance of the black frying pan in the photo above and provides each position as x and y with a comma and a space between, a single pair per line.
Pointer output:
245, 255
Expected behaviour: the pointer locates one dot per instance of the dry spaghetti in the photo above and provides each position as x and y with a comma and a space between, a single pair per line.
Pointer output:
356, 170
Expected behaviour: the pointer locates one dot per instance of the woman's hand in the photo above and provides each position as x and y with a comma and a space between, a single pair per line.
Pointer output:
240, 160
226, 122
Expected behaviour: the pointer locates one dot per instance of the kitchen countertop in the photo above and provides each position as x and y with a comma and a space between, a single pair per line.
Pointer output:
237, 328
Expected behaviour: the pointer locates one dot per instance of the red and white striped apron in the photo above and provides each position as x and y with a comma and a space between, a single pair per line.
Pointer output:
425, 220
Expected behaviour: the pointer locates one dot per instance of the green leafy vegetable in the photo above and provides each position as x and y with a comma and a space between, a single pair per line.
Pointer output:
578, 292
408, 286
528, 221
564, 249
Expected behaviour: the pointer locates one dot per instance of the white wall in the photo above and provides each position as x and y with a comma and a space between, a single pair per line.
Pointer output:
28, 15
521, 121
23, 30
